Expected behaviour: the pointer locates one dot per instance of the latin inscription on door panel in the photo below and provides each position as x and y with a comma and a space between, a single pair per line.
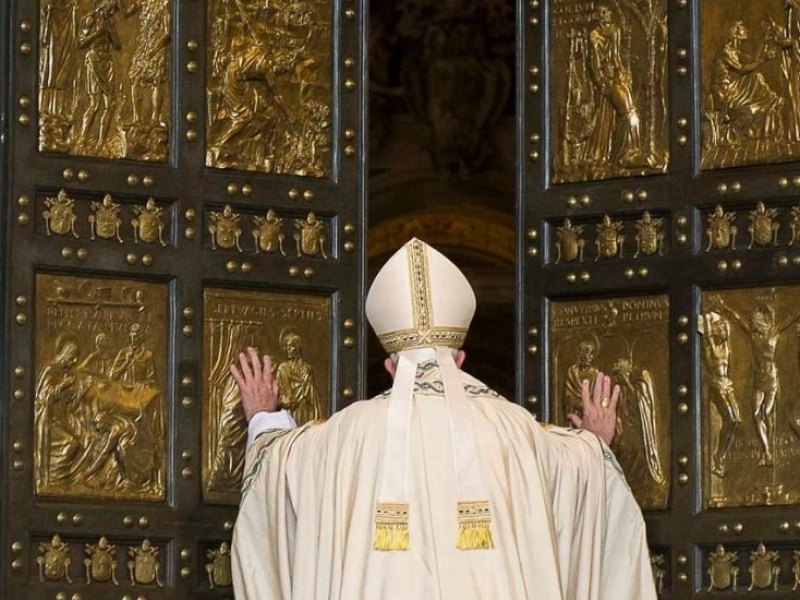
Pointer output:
750, 60
101, 381
751, 385
610, 89
626, 338
293, 329
269, 86
104, 78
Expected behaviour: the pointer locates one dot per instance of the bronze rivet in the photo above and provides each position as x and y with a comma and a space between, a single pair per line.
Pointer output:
682, 140
643, 272
232, 189
349, 323
348, 392
247, 189
682, 221
228, 525
187, 402
62, 518
191, 117
783, 260
19, 372
533, 251
16, 564
185, 572
77, 519
19, 394
722, 188
571, 278
683, 122
67, 253
683, 408
585, 200
683, 478
534, 156
191, 135
190, 214
18, 446
16, 547
23, 200
131, 258
683, 460
722, 266
682, 70
246, 267
349, 228
349, 246
783, 182
82, 254
572, 202
18, 465
736, 187
350, 151
186, 554
25, 101
308, 195
534, 21
533, 331
24, 119
294, 271
144, 522
21, 319
63, 596
25, 26
68, 174
534, 70
231, 266
349, 134
736, 265
682, 391
148, 181
682, 559
147, 260
683, 320
187, 381
349, 13
683, 338
127, 521
534, 88
535, 137
683, 577
187, 330
627, 196
796, 260
188, 312
533, 349
682, 3
186, 455
738, 528
532, 400
349, 62
23, 219
348, 342
533, 233
585, 276
25, 48
192, 66
349, 83
189, 233
682, 238
308, 272
132, 180
83, 175
192, 44
294, 194
784, 527
186, 473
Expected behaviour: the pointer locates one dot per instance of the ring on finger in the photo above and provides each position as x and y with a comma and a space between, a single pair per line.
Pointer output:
605, 401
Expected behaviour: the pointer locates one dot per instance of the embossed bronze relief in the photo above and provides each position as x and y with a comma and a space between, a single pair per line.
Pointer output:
218, 569
626, 338
750, 57
294, 329
609, 89
751, 382
104, 78
101, 381
269, 86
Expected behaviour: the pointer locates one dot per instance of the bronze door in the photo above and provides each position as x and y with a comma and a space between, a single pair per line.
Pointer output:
184, 179
659, 150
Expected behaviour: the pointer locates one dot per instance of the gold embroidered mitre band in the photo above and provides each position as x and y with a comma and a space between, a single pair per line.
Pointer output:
420, 299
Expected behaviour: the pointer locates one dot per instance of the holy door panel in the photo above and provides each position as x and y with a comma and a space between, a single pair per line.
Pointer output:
702, 221
185, 180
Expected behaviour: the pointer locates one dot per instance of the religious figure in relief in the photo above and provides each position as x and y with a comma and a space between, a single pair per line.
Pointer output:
582, 368
298, 392
716, 357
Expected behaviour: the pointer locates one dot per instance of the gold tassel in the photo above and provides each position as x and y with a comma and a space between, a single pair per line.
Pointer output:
474, 526
391, 526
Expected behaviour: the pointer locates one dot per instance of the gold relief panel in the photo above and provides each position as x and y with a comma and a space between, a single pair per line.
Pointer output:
269, 86
104, 78
750, 61
626, 338
294, 329
101, 382
751, 382
609, 89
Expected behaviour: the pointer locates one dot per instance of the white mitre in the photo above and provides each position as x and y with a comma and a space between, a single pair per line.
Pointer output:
421, 305
420, 299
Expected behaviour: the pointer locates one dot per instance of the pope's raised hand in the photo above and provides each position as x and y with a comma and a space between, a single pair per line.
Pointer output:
599, 408
259, 389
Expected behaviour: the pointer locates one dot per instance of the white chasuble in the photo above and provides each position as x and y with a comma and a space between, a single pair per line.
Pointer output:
563, 521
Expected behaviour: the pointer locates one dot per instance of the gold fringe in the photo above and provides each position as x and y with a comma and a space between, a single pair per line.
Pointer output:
391, 527
474, 526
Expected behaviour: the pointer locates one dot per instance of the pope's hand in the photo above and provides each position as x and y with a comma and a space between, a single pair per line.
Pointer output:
258, 387
599, 408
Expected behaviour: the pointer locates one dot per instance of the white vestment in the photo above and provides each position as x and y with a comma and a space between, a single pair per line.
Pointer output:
564, 523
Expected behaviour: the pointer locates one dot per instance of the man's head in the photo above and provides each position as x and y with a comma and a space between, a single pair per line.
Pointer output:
586, 351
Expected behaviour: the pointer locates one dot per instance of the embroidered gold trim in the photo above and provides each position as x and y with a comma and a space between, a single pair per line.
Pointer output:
474, 526
391, 526
405, 339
